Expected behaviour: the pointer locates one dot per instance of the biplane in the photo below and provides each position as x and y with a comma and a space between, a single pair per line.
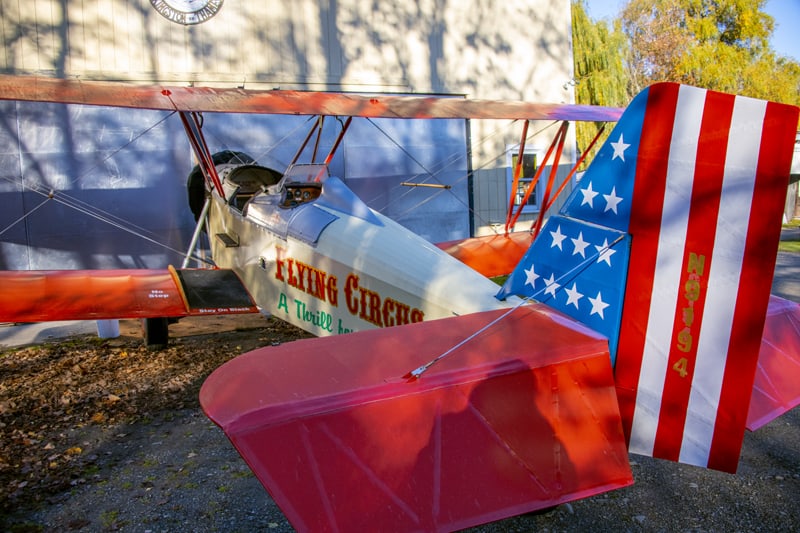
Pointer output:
433, 399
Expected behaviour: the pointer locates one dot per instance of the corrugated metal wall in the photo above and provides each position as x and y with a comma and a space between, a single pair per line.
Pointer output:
518, 49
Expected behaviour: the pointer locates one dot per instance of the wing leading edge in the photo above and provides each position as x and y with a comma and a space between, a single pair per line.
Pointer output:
281, 102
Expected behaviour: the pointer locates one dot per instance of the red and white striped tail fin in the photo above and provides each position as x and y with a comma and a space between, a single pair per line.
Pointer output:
711, 174
683, 205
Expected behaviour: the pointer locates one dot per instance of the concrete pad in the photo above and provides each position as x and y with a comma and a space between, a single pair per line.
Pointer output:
25, 334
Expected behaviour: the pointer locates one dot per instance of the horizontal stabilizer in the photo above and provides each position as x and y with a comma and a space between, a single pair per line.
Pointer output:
777, 385
47, 295
521, 417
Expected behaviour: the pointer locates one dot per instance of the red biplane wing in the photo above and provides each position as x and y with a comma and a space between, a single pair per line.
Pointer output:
39, 296
226, 100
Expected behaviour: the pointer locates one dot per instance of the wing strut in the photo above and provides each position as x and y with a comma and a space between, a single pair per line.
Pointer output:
201, 222
578, 163
517, 172
548, 200
335, 146
317, 127
192, 123
560, 137
512, 216
320, 122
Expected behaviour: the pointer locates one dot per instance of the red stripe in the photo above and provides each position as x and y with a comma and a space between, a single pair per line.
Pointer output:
645, 222
763, 235
700, 234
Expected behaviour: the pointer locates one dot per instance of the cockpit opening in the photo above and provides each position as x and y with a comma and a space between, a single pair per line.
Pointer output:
248, 180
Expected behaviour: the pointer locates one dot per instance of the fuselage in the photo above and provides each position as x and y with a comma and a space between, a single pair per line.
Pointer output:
311, 253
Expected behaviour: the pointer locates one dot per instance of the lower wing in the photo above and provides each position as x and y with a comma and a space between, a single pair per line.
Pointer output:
38, 296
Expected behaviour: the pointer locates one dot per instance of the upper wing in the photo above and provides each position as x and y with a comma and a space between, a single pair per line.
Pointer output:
234, 100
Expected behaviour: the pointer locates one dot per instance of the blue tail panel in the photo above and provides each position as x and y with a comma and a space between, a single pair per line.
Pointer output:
586, 248
578, 268
605, 193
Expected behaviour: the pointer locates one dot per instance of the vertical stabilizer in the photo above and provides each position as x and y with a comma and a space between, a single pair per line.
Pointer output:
697, 180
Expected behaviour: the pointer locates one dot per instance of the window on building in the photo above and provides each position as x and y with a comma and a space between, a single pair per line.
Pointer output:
530, 163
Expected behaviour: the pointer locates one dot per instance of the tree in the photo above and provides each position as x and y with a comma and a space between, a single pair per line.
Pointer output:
715, 44
600, 77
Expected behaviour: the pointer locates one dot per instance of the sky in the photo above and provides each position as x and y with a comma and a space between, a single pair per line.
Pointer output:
785, 12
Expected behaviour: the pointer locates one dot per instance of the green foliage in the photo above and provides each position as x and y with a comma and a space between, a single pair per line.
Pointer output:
600, 77
598, 56
717, 44
789, 246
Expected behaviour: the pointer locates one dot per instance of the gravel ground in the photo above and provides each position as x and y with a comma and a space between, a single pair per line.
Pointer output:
171, 469
179, 473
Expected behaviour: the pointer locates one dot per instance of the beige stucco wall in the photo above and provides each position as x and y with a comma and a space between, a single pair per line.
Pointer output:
516, 49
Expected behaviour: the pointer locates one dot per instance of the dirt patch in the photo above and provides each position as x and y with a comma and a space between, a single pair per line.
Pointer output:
57, 398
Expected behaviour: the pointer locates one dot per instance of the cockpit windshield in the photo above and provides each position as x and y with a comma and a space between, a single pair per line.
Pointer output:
306, 173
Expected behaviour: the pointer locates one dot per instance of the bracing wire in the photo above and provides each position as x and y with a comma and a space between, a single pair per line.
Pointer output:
85, 208
267, 152
98, 214
449, 163
66, 199
23, 217
566, 276
122, 147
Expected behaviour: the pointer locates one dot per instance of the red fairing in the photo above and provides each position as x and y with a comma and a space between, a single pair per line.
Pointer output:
492, 255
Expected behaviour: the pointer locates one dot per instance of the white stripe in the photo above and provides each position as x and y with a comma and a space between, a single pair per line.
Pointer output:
672, 240
741, 163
